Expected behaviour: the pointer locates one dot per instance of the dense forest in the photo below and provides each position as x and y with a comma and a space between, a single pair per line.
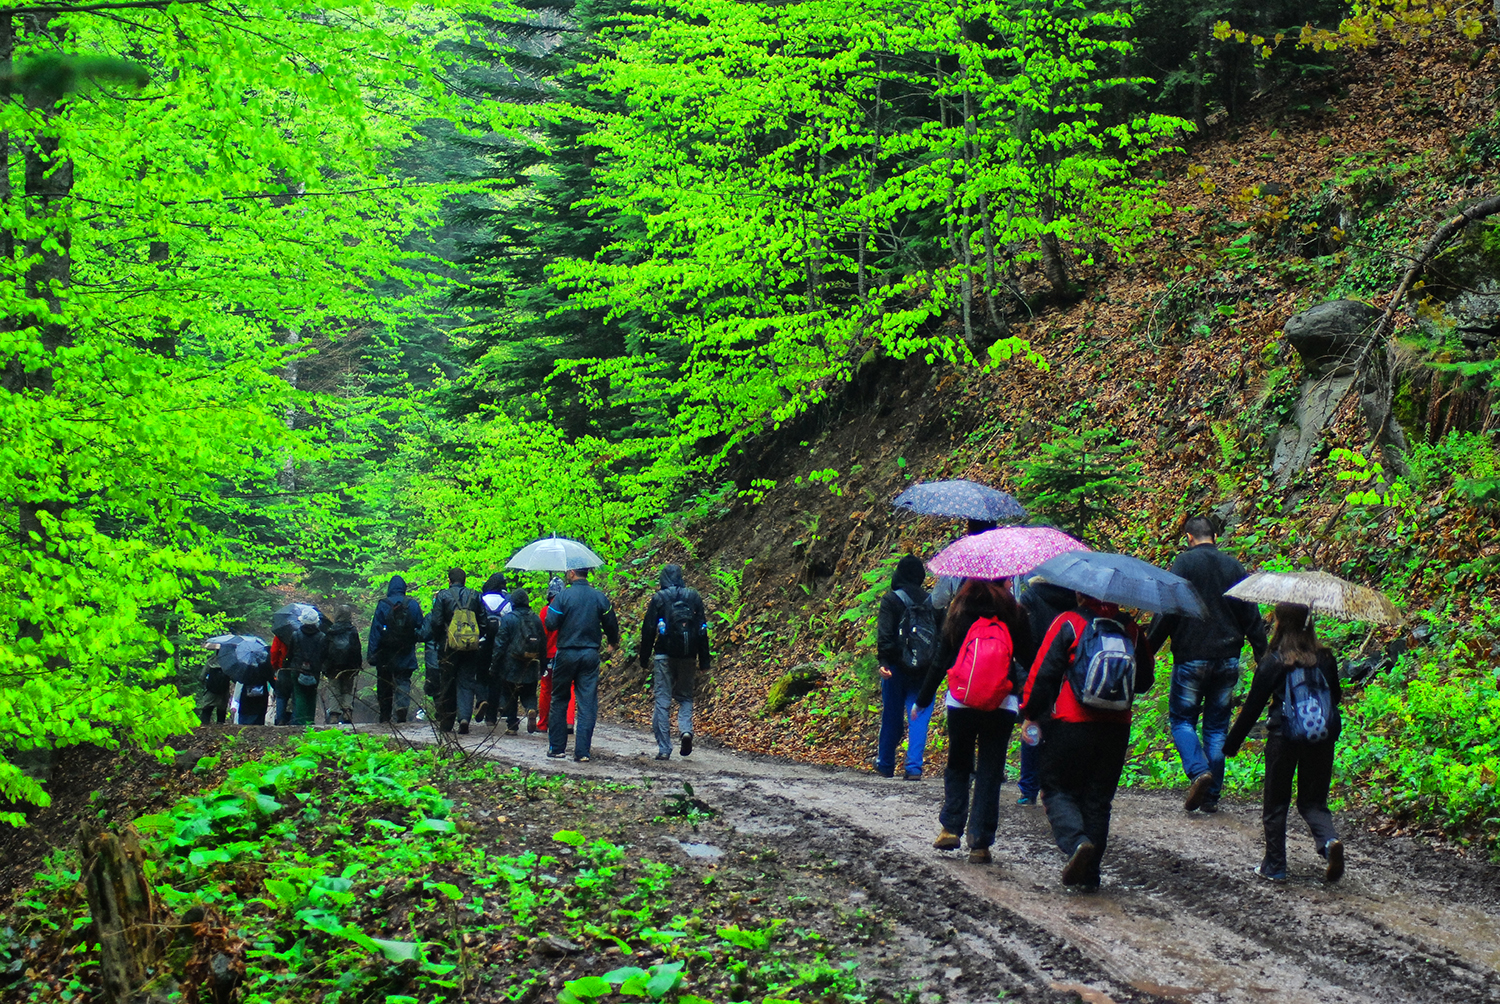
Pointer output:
298, 296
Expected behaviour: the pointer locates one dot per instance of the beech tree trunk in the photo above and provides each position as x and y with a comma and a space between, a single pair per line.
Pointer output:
122, 908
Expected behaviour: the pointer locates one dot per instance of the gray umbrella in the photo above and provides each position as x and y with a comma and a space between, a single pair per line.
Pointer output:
286, 621
1119, 578
961, 500
243, 658
554, 554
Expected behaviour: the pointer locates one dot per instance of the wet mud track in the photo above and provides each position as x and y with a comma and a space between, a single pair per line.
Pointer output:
1181, 916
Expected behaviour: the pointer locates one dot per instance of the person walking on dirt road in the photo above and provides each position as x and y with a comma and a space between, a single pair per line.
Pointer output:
1206, 661
516, 662
674, 646
1041, 602
1299, 678
393, 649
906, 644
981, 635
1084, 743
455, 624
582, 617
341, 663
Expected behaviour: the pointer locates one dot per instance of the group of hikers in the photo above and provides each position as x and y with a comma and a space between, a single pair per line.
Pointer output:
1067, 666
488, 656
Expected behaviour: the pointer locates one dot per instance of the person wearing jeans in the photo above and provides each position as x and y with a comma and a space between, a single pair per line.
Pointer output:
1203, 688
674, 646
582, 617
900, 682
1206, 660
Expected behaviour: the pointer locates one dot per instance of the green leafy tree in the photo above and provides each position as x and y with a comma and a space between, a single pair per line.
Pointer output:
1079, 478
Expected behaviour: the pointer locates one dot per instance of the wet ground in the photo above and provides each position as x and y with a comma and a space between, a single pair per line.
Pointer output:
1180, 917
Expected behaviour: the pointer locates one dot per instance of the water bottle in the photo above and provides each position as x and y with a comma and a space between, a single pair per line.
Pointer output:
1031, 733
661, 627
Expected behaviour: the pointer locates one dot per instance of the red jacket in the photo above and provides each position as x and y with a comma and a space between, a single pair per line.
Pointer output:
1046, 696
279, 652
549, 635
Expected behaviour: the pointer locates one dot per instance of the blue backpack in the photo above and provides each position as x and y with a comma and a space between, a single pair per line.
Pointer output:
1306, 705
1103, 671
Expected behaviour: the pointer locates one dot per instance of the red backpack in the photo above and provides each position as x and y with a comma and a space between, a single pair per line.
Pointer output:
980, 678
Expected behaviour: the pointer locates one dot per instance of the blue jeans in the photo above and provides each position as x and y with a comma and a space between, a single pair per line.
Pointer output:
1030, 781
663, 685
1206, 687
898, 695
575, 671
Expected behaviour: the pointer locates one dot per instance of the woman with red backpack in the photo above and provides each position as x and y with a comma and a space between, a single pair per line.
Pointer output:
983, 631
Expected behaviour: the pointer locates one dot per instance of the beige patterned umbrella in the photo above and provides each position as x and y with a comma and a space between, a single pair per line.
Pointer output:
1320, 592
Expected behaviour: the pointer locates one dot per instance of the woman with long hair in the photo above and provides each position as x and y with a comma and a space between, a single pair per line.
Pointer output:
1296, 748
972, 730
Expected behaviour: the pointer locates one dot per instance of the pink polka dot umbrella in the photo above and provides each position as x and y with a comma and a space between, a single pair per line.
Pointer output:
999, 554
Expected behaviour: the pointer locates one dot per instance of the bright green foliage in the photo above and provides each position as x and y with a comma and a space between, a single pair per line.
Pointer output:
187, 234
1078, 478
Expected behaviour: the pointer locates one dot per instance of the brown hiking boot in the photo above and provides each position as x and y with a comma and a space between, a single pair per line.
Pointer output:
946, 841
1198, 791
979, 856
1075, 872
1334, 851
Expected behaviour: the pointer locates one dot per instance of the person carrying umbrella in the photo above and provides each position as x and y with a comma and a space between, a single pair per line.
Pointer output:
393, 649
455, 625
906, 644
582, 617
1088, 670
1206, 661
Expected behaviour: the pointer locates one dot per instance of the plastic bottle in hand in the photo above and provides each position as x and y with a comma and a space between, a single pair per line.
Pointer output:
1031, 733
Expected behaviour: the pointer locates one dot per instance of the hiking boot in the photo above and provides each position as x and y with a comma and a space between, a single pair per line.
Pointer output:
687, 744
463, 728
1076, 871
510, 730
913, 775
1026, 800
385, 721
556, 754
482, 712
979, 856
583, 759
530, 723
1197, 792
1270, 872
886, 771
1334, 851
1209, 807
946, 841
401, 716
663, 756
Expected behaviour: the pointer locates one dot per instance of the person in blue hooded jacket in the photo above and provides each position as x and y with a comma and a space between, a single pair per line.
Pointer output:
394, 630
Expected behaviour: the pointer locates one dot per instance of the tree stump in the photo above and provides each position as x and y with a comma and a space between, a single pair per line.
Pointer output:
123, 910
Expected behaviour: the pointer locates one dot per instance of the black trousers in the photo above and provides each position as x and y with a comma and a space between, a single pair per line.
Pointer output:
1081, 765
988, 733
1312, 765
512, 694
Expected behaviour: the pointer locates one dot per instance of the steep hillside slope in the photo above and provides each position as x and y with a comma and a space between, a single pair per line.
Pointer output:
1180, 351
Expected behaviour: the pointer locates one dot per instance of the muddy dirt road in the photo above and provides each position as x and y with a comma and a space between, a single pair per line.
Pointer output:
1180, 916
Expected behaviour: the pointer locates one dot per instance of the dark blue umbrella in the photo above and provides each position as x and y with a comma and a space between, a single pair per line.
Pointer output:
290, 618
1119, 578
243, 658
961, 500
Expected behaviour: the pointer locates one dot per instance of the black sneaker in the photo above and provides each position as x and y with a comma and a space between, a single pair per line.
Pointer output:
463, 728
663, 756
557, 755
1209, 807
1334, 851
687, 744
1271, 873
1197, 792
401, 716
913, 775
583, 759
1076, 871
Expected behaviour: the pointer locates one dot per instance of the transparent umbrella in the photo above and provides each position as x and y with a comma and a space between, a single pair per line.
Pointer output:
554, 554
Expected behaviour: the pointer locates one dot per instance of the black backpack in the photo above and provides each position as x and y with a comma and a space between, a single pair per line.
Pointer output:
1306, 705
917, 633
526, 644
342, 651
215, 681
400, 632
684, 623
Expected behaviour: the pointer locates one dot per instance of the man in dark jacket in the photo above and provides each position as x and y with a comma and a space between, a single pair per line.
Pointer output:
456, 611
674, 645
516, 661
900, 680
496, 602
582, 617
1084, 747
1206, 661
393, 648
305, 661
1042, 602
341, 663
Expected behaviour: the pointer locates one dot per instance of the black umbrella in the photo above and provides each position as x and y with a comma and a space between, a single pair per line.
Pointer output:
961, 500
243, 658
286, 621
1119, 578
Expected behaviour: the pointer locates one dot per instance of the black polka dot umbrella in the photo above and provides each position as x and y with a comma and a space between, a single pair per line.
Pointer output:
961, 500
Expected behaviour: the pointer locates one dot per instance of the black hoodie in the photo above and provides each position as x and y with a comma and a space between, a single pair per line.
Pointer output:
505, 665
403, 661
1230, 622
909, 577
652, 643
